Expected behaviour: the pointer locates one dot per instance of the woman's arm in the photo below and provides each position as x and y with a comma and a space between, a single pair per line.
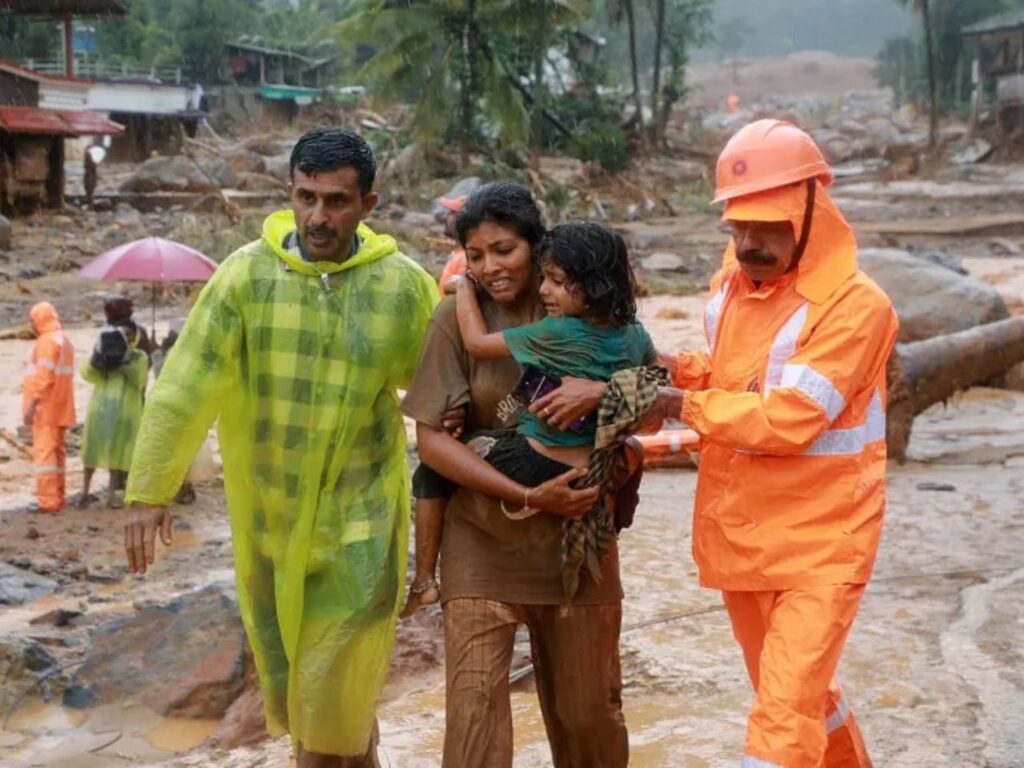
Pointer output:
478, 342
456, 461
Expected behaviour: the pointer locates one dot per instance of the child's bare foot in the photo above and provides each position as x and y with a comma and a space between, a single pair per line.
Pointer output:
421, 594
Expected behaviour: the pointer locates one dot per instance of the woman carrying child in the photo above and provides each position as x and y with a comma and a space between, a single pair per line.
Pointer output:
501, 565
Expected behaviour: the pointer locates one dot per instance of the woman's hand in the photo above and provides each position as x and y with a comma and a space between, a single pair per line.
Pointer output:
574, 399
558, 498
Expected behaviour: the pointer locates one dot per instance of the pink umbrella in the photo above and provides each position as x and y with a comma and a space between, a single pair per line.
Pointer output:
151, 260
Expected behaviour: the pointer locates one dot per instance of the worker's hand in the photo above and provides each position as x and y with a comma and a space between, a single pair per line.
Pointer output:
575, 398
29, 416
668, 405
144, 520
557, 497
454, 421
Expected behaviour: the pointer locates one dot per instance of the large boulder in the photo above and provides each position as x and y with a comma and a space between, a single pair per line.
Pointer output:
931, 299
222, 174
168, 174
244, 161
184, 658
18, 585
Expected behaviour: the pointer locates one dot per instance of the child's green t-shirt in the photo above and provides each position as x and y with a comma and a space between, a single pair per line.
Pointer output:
569, 346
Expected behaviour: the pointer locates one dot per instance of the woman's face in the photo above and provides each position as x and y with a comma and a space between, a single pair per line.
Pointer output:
500, 260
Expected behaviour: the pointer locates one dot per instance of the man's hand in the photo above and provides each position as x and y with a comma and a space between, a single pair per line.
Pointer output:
575, 398
555, 496
453, 421
29, 417
670, 363
669, 405
140, 534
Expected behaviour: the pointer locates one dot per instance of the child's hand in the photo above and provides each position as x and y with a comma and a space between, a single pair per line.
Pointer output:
452, 284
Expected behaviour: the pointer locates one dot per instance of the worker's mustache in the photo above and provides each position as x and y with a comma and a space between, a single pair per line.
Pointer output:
757, 258
321, 231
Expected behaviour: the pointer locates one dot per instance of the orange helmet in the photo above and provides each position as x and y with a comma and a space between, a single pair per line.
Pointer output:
766, 154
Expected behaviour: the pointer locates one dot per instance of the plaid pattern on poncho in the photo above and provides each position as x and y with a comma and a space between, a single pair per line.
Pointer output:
631, 395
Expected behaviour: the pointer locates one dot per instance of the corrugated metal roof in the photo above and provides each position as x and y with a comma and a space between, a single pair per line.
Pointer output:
57, 122
61, 7
1004, 21
30, 74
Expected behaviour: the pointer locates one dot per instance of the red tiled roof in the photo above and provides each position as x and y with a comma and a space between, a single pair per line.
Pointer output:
57, 122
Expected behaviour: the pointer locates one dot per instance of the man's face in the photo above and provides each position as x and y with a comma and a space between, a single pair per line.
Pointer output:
766, 250
328, 208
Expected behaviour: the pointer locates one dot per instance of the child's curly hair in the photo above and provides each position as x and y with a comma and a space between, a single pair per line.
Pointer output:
596, 263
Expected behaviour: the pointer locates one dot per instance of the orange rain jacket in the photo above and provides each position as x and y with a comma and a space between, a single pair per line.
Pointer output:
50, 381
791, 412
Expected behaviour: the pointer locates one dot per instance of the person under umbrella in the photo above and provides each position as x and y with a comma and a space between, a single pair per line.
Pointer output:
118, 370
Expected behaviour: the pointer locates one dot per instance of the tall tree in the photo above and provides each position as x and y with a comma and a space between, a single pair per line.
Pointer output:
659, 40
617, 10
925, 7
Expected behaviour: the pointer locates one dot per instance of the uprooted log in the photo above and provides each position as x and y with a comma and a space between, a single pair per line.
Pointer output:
923, 373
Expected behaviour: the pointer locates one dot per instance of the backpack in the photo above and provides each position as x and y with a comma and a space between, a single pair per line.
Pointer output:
111, 351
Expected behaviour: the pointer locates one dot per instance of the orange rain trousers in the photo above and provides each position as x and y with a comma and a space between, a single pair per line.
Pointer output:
791, 642
49, 454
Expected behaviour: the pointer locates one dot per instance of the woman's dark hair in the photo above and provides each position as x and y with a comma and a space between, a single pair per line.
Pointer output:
596, 262
323, 150
504, 203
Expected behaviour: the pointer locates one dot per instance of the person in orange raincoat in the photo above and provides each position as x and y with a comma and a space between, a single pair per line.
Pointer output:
789, 403
48, 404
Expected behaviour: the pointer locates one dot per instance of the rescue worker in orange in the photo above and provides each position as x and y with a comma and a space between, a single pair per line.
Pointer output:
48, 404
456, 264
789, 403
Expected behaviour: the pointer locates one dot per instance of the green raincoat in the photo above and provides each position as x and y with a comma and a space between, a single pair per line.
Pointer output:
301, 362
115, 410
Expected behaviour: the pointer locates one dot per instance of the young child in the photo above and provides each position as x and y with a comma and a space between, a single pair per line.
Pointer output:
589, 292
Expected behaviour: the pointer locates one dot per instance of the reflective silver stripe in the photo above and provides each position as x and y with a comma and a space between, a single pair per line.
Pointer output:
65, 370
756, 762
838, 717
783, 348
46, 364
49, 469
816, 387
850, 442
712, 313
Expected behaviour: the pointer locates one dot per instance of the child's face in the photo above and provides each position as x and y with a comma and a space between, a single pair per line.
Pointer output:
560, 297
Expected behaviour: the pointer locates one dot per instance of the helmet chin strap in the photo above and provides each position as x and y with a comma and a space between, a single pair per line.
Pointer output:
805, 229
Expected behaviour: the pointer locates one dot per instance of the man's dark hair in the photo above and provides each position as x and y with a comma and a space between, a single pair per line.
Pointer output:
504, 203
596, 263
323, 150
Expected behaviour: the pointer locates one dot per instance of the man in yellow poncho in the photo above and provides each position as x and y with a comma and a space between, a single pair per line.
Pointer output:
298, 344
117, 371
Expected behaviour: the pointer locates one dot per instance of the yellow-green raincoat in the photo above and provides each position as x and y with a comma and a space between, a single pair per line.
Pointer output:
301, 363
115, 410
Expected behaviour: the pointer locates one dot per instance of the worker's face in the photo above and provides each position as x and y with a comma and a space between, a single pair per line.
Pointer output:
766, 250
501, 261
328, 208
560, 297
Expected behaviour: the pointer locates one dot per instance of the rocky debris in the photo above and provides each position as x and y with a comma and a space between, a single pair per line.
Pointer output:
183, 658
944, 260
5, 233
663, 261
267, 145
22, 663
18, 586
59, 617
1004, 246
245, 161
259, 182
278, 166
168, 174
931, 300
974, 152
223, 174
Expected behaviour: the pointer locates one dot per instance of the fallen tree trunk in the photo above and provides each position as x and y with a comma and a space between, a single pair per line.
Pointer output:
923, 373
